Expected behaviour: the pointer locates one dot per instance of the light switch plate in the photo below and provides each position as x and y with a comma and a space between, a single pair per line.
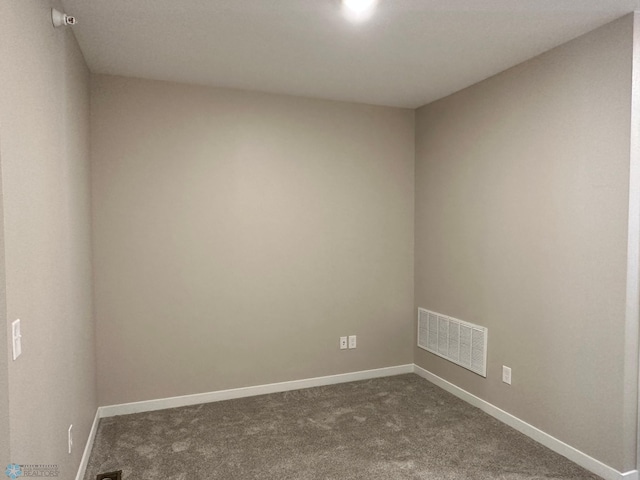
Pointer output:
506, 374
352, 341
16, 337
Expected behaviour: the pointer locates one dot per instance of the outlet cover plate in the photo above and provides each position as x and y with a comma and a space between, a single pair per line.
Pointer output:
352, 341
343, 343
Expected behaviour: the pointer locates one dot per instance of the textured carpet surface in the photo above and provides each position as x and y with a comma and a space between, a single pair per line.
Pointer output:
399, 427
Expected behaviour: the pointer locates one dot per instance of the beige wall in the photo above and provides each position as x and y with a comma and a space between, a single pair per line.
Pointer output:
521, 226
5, 444
44, 120
238, 235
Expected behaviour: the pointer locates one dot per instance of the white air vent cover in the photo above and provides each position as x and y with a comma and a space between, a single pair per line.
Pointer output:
460, 342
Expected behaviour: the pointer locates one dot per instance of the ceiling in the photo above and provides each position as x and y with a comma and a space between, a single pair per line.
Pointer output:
409, 53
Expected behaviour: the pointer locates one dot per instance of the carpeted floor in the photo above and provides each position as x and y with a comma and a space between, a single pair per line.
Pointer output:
399, 427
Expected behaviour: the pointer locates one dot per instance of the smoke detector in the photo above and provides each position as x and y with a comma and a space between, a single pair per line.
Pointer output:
61, 19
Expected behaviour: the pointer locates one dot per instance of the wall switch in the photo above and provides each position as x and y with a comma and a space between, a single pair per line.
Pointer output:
70, 437
16, 337
506, 375
343, 343
352, 341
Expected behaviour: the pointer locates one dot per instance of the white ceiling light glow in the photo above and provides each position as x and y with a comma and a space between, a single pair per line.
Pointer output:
359, 9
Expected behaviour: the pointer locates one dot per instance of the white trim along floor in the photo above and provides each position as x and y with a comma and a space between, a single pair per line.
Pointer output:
573, 454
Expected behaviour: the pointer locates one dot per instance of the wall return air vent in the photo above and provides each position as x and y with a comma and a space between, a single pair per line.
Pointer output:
462, 343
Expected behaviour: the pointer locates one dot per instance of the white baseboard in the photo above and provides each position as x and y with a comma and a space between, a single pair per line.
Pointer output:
182, 401
159, 404
573, 454
558, 446
89, 445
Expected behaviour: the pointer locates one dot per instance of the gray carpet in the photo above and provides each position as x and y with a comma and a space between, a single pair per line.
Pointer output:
389, 428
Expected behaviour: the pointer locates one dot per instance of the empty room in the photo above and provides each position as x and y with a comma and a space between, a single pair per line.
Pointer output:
319, 239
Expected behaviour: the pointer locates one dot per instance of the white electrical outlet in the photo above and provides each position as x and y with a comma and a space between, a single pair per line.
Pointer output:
506, 375
70, 437
16, 337
343, 343
352, 341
